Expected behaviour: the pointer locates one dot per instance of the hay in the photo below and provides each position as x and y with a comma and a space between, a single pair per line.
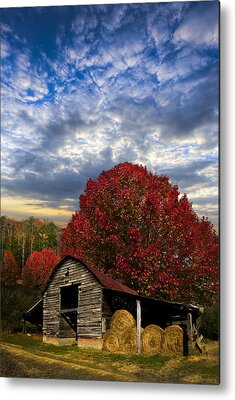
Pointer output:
152, 337
122, 320
173, 340
111, 341
128, 340
120, 336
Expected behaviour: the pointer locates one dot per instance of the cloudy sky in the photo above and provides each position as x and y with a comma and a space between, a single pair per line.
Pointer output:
87, 87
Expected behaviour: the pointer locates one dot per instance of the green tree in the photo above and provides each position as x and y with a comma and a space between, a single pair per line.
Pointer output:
47, 236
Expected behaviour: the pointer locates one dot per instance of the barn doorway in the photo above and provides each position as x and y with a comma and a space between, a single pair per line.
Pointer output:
69, 311
69, 297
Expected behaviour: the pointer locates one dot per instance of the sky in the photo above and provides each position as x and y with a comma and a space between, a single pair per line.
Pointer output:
87, 87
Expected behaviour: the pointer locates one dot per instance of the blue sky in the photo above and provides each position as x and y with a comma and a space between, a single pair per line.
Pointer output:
87, 87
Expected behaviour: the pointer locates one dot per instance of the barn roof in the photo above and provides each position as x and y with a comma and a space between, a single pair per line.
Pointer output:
106, 281
116, 288
110, 283
35, 313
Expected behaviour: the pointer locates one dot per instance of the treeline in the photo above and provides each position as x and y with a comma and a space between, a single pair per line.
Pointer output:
28, 253
23, 238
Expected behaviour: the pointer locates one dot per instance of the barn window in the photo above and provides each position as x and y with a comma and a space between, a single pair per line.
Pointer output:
69, 297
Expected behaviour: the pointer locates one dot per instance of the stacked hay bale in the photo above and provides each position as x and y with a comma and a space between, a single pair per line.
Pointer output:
121, 337
111, 342
128, 341
122, 320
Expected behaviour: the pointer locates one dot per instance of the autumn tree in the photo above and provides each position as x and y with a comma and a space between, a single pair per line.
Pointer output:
9, 269
38, 267
133, 225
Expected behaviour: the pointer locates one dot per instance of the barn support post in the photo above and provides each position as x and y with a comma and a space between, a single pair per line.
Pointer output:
190, 332
138, 325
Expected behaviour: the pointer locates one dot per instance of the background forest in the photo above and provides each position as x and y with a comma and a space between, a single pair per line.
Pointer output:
24, 237
28, 253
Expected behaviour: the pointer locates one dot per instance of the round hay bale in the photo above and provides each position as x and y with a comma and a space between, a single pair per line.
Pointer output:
121, 320
111, 341
173, 340
128, 341
152, 339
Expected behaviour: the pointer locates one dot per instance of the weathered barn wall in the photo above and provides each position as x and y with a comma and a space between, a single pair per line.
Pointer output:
89, 311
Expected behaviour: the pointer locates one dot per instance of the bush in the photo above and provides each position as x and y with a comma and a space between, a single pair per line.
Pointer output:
209, 323
14, 302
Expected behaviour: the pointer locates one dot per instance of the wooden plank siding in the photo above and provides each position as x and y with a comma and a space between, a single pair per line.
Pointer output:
89, 311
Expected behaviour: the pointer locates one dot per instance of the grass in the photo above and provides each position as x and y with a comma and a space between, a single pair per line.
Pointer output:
24, 356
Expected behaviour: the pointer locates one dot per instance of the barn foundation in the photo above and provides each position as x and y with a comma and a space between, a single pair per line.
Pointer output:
94, 343
59, 341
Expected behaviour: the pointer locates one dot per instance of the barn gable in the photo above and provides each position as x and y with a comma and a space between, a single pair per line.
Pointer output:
72, 303
105, 280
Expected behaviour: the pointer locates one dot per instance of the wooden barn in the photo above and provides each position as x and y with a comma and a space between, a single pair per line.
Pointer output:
79, 301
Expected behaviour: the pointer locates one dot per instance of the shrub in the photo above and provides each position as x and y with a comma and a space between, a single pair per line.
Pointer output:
209, 323
14, 302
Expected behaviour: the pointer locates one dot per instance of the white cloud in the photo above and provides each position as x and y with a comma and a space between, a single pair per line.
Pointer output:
5, 49
197, 31
115, 18
184, 64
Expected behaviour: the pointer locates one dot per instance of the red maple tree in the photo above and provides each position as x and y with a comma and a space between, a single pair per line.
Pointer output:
10, 270
133, 225
38, 267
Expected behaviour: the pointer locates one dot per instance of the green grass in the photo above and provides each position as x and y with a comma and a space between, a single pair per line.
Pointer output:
27, 356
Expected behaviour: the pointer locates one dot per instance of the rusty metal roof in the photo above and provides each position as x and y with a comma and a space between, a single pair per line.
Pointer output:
110, 283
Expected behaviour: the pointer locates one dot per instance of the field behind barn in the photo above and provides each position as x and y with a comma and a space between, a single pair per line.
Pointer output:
26, 356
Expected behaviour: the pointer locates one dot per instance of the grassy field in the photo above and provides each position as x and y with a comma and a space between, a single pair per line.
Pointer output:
24, 356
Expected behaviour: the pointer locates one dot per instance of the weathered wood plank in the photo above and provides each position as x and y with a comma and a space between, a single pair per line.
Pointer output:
89, 300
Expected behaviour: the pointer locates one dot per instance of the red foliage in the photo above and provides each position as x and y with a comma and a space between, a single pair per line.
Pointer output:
10, 271
38, 267
133, 225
